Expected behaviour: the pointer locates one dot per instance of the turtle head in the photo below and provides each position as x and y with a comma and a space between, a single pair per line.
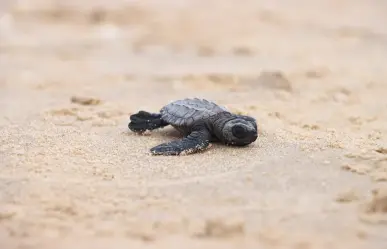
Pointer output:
240, 131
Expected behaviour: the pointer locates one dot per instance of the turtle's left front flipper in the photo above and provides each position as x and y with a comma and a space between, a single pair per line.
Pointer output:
196, 141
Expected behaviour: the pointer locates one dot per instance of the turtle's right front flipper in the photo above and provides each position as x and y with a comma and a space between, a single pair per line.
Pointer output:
197, 141
143, 121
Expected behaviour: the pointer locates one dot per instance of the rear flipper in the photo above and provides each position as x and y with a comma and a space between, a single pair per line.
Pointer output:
198, 140
143, 121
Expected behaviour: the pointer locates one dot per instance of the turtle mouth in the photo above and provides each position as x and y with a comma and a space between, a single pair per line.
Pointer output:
250, 138
254, 136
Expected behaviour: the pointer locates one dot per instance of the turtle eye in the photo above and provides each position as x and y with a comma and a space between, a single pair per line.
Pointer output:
239, 131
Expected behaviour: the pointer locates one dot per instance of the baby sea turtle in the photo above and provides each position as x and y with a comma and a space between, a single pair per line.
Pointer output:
200, 122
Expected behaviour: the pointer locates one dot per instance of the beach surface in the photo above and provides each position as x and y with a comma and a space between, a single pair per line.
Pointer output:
313, 74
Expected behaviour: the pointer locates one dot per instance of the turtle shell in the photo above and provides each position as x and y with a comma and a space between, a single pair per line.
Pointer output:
185, 112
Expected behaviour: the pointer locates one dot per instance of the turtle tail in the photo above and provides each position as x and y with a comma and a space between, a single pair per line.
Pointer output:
143, 121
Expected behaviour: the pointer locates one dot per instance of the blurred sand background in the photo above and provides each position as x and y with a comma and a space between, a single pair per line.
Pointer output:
313, 73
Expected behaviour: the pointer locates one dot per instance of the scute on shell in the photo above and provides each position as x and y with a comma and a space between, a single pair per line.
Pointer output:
187, 111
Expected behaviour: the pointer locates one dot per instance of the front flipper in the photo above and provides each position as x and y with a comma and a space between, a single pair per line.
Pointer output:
196, 141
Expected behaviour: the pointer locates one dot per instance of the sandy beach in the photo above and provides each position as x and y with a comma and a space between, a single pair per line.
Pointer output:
313, 74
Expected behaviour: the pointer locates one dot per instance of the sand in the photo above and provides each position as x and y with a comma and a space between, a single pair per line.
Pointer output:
313, 73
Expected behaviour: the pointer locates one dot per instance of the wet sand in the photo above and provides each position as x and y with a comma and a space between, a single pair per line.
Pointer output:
313, 73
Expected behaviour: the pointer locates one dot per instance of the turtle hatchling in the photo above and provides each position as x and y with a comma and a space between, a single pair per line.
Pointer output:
200, 122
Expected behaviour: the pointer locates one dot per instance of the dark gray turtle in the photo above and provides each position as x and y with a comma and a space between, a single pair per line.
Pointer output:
200, 122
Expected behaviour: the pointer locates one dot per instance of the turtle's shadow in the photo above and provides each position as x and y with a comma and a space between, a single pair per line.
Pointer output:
168, 132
